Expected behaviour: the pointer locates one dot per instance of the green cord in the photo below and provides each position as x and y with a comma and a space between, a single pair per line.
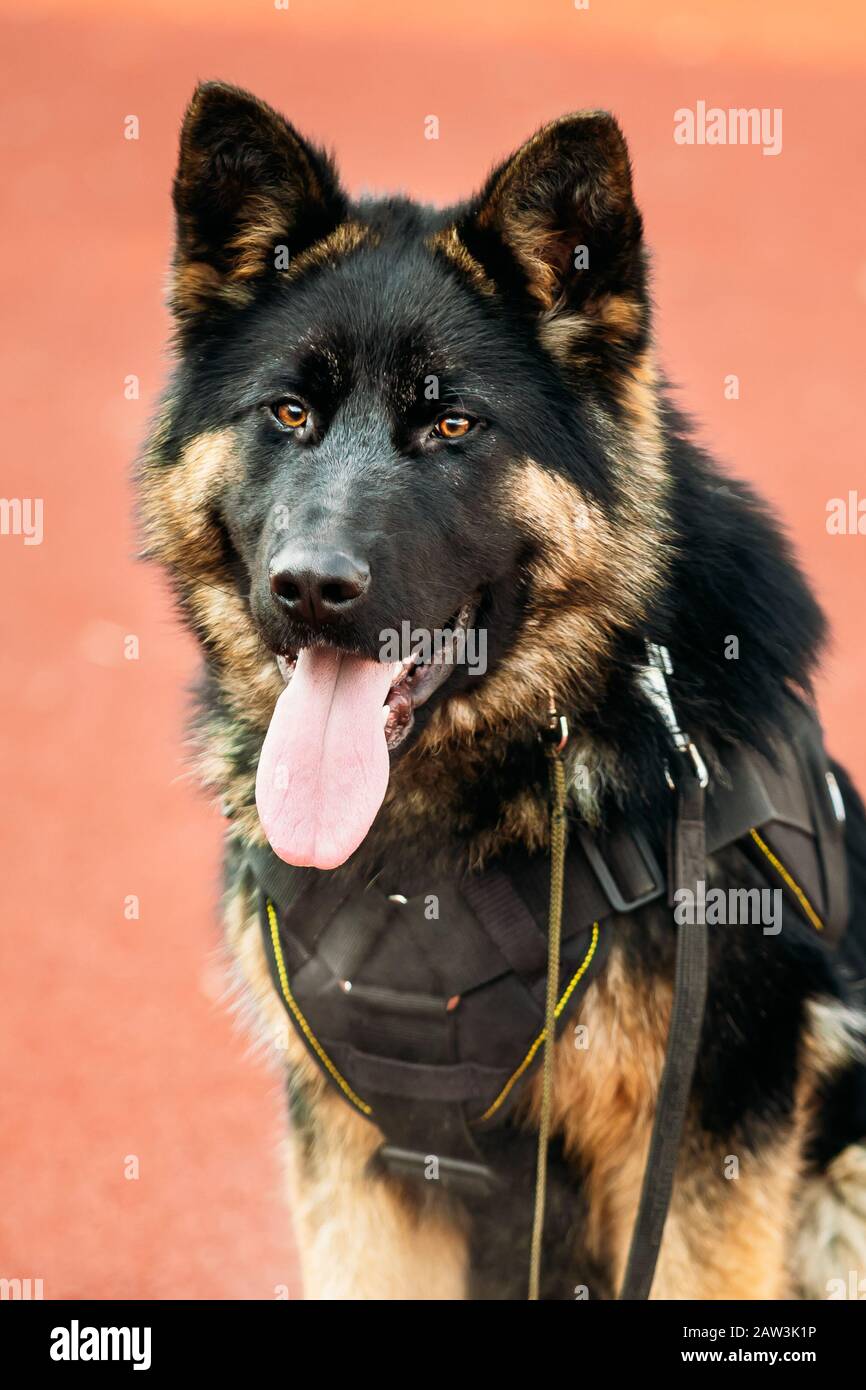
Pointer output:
554, 932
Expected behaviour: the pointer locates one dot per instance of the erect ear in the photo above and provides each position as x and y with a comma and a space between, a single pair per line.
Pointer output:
561, 212
247, 185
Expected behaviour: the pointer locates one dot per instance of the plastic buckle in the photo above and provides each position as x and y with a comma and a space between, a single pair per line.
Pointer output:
609, 883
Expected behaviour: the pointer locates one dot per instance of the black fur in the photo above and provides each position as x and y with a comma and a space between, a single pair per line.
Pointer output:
356, 337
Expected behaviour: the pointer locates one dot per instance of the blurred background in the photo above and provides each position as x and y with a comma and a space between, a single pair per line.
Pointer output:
114, 1042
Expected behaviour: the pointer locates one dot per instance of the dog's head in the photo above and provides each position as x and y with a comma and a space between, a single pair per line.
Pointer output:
415, 455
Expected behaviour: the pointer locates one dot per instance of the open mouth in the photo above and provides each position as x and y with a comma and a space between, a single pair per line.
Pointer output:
415, 679
326, 759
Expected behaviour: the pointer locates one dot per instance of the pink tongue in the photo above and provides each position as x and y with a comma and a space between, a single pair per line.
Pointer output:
324, 766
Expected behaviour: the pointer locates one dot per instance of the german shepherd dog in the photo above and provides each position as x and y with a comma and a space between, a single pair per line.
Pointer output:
385, 413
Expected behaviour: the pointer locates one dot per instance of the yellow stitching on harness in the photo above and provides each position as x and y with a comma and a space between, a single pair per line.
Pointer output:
584, 966
302, 1022
789, 881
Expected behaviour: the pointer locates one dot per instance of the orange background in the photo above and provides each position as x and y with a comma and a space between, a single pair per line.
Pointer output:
113, 1038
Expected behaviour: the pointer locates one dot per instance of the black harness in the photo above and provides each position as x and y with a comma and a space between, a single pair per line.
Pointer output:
427, 1012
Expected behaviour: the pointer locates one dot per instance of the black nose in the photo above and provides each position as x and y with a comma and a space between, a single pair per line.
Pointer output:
318, 585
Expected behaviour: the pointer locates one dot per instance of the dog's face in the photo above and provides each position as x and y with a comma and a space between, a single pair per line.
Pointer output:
390, 422
380, 427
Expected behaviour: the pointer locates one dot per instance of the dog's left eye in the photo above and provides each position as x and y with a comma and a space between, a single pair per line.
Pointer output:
453, 426
290, 415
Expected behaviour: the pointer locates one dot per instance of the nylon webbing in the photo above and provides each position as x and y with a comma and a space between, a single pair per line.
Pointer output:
688, 865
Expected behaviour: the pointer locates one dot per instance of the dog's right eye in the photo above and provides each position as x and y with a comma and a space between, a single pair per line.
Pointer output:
290, 415
453, 426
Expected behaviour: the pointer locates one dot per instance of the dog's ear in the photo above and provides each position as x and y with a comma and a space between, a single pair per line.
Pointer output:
248, 192
561, 214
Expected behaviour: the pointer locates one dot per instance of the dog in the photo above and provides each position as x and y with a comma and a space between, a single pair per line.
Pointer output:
385, 415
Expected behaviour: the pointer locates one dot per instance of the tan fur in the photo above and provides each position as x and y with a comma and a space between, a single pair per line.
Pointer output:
582, 593
178, 497
604, 1098
571, 337
828, 1254
178, 500
728, 1237
359, 1237
196, 284
331, 249
638, 393
509, 207
263, 226
725, 1236
828, 1235
449, 243
218, 772
620, 315
526, 230
592, 574
562, 335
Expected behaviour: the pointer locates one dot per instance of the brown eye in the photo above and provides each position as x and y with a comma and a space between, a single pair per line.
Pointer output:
453, 426
290, 414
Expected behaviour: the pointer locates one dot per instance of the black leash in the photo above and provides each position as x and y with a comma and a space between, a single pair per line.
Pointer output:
690, 992
687, 866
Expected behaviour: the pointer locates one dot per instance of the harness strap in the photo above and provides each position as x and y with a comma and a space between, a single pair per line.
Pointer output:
506, 919
456, 1162
688, 866
459, 1081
